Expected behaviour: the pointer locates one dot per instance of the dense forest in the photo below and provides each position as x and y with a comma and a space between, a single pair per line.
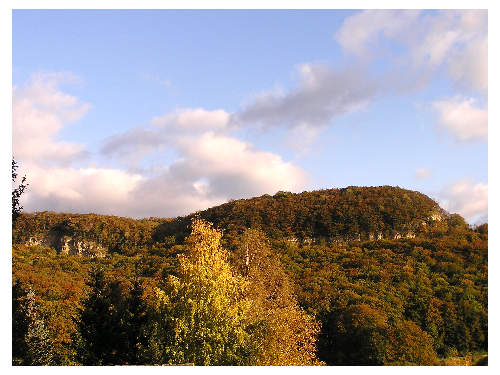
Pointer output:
354, 276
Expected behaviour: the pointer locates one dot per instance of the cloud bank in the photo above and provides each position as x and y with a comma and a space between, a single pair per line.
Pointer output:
210, 166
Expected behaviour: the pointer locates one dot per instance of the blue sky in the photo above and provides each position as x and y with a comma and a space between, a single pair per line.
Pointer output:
161, 113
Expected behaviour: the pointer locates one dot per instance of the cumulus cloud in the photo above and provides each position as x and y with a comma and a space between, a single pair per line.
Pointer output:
467, 198
423, 173
462, 118
322, 93
80, 190
40, 110
455, 39
210, 166
162, 131
233, 168
210, 170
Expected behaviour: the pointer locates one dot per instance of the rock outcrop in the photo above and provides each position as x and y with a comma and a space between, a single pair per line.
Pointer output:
70, 246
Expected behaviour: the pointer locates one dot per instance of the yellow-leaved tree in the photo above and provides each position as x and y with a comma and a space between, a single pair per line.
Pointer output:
282, 333
203, 310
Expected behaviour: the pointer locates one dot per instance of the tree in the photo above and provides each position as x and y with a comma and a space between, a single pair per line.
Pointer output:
357, 336
202, 312
31, 341
17, 192
135, 321
409, 345
282, 333
20, 323
103, 338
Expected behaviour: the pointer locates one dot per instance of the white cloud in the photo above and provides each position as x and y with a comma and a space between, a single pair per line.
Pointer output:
83, 190
40, 110
462, 118
467, 198
130, 146
360, 32
210, 167
423, 173
210, 170
455, 39
236, 169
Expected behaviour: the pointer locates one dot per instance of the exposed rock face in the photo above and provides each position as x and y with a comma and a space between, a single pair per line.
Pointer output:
343, 240
82, 248
436, 216
70, 246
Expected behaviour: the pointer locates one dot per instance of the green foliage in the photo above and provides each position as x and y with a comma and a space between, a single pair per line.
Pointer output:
436, 289
110, 323
117, 235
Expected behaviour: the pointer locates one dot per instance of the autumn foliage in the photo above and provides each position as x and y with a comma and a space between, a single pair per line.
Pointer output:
293, 279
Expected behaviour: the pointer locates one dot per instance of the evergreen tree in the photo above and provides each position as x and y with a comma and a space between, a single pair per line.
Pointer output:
103, 337
20, 324
135, 320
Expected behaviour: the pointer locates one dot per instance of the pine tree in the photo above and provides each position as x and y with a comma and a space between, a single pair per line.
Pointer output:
135, 319
20, 324
103, 338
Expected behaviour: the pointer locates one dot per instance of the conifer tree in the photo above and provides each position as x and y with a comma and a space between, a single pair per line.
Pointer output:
103, 339
20, 324
135, 320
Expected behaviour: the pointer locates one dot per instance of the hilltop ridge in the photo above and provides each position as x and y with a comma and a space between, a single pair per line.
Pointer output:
330, 216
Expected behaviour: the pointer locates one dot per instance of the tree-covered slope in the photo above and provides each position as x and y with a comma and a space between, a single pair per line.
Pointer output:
332, 215
384, 274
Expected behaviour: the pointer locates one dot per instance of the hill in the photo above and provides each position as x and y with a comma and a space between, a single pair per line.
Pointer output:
331, 216
390, 277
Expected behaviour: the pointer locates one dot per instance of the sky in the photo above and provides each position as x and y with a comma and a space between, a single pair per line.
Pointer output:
163, 113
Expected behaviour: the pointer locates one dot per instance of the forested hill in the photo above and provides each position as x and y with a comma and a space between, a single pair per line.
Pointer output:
354, 276
352, 213
330, 216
